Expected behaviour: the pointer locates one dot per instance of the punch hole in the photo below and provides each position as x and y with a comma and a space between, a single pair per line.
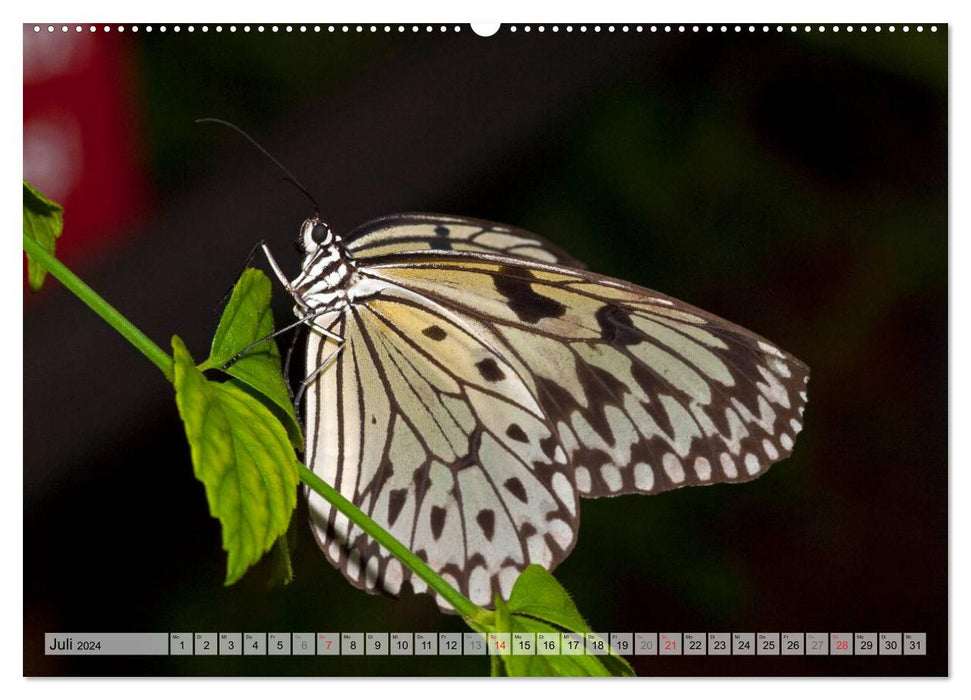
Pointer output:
485, 29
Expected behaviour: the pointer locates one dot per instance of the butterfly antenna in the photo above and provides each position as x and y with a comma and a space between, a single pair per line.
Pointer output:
289, 176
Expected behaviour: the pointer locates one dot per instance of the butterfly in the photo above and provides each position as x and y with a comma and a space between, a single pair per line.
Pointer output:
468, 382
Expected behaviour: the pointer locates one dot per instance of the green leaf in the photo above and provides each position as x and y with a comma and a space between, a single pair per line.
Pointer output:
538, 594
246, 319
538, 603
43, 222
282, 571
241, 454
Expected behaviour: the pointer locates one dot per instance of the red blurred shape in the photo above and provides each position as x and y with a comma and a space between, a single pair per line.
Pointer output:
81, 134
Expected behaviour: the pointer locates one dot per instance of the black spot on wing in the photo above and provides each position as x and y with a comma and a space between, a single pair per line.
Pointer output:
524, 301
470, 460
608, 391
396, 501
616, 326
435, 332
560, 403
440, 244
516, 433
420, 479
441, 231
438, 521
487, 521
515, 487
490, 371
549, 445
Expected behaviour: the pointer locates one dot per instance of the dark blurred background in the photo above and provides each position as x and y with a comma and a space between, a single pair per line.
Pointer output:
795, 183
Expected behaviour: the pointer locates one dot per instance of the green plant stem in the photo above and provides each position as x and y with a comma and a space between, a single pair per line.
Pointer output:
101, 307
465, 607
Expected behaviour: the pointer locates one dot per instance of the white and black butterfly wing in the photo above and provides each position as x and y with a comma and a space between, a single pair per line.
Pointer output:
486, 385
436, 437
409, 233
647, 393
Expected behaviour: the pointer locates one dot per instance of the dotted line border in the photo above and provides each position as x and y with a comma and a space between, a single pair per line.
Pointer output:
512, 28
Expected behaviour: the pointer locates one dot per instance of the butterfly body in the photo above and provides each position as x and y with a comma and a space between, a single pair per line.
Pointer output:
327, 270
468, 382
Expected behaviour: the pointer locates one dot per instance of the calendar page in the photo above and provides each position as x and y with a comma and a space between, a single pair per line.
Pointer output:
604, 349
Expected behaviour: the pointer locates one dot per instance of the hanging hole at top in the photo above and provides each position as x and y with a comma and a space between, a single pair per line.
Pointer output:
485, 28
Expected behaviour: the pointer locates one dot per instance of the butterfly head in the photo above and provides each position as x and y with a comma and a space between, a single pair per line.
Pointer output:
314, 235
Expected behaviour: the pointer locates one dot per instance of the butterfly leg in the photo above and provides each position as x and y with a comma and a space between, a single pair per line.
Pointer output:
313, 375
276, 267
286, 362
304, 320
229, 292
